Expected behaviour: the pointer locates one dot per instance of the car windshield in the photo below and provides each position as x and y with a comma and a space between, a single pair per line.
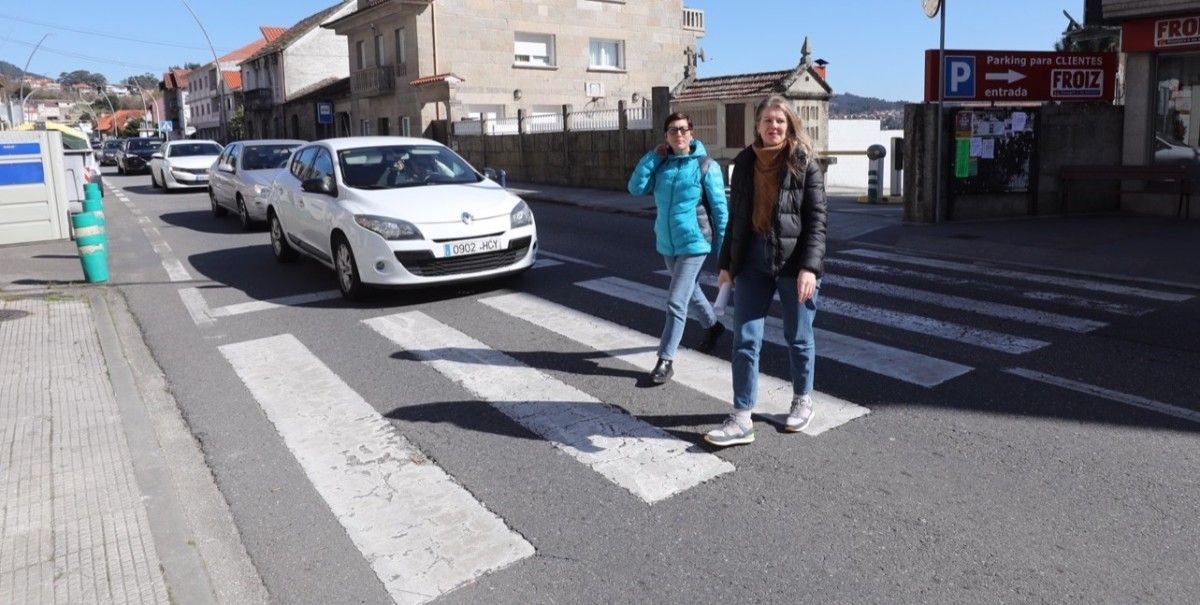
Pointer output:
395, 166
180, 150
144, 144
112, 144
263, 157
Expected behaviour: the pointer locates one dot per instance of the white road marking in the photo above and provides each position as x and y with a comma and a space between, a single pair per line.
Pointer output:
275, 303
702, 373
196, 306
988, 339
175, 269
542, 263
649, 462
1003, 311
1111, 395
1072, 300
421, 532
914, 368
1070, 282
570, 259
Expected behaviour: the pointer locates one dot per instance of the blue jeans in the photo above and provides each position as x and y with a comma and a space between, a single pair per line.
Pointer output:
684, 295
753, 288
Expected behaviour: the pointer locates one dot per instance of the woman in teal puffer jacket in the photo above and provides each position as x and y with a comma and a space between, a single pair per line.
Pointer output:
686, 230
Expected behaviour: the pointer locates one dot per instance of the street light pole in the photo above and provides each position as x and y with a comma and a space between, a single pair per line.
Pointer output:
25, 72
217, 64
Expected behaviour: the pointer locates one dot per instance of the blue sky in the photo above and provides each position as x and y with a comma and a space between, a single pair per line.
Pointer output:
874, 47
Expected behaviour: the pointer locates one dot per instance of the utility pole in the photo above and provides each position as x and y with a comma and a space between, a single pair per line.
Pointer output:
25, 72
220, 74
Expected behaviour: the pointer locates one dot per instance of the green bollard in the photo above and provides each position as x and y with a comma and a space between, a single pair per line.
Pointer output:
94, 258
91, 190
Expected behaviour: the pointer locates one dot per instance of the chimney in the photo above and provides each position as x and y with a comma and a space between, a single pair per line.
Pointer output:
819, 67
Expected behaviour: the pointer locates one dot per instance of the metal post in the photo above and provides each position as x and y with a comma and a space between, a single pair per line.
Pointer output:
217, 64
937, 189
25, 72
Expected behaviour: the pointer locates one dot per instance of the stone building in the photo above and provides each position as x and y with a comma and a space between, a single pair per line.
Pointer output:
219, 83
304, 58
722, 107
415, 65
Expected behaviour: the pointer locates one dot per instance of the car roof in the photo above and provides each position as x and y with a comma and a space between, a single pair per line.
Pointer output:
359, 142
270, 142
191, 141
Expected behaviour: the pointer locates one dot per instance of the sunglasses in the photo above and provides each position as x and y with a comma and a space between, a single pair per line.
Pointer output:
678, 130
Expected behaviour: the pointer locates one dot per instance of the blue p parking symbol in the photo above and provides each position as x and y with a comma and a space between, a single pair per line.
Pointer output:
959, 77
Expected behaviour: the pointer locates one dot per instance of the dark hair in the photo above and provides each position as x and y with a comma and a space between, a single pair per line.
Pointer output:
675, 117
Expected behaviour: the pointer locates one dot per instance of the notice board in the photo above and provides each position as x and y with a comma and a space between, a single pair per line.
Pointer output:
992, 150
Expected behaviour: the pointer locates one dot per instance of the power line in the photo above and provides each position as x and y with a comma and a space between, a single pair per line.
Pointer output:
82, 57
100, 34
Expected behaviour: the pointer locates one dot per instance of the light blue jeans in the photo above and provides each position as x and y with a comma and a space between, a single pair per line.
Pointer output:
683, 296
753, 288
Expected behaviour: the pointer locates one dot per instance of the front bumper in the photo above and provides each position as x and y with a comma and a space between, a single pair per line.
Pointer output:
413, 263
180, 179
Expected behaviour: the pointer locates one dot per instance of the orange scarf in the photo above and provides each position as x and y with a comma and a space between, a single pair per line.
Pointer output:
768, 172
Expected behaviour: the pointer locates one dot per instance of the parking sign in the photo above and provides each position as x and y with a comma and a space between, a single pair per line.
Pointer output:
959, 77
324, 112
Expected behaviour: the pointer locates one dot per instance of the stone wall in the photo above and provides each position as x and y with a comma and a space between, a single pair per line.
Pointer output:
595, 160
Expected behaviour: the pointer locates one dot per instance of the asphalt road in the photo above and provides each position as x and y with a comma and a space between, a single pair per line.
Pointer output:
987, 486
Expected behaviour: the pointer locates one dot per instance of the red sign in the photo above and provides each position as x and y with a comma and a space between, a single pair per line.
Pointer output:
1021, 76
1165, 33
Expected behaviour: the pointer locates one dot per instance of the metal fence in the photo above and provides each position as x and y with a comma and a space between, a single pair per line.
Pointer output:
636, 118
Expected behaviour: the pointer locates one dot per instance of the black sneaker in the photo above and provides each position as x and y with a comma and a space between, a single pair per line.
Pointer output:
662, 371
711, 336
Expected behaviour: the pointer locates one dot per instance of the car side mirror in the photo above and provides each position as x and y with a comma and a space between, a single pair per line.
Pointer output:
225, 168
320, 185
156, 156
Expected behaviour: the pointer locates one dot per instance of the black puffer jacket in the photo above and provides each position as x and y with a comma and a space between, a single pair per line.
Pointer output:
797, 237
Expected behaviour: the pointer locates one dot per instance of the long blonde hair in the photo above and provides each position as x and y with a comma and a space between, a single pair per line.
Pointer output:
797, 138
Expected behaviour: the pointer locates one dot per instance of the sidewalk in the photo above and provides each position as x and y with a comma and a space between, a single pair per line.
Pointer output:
107, 498
1114, 246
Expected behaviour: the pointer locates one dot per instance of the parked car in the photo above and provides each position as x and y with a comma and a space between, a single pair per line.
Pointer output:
109, 150
135, 153
241, 177
183, 164
1167, 151
397, 211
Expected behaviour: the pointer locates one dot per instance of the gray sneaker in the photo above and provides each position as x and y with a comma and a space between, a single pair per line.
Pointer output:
801, 414
730, 433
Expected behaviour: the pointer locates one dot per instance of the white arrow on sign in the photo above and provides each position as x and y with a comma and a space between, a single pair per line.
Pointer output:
1010, 76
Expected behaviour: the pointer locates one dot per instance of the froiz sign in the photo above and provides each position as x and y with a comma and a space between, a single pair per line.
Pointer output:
1020, 76
1148, 35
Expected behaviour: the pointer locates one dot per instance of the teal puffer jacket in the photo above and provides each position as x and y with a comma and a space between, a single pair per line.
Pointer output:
681, 226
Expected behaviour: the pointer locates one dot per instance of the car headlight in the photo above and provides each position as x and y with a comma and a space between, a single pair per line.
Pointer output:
259, 190
521, 215
389, 228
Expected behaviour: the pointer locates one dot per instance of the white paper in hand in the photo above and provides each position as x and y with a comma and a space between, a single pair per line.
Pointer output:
722, 301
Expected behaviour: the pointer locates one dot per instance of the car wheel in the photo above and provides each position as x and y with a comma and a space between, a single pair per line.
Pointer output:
347, 270
217, 209
279, 245
244, 214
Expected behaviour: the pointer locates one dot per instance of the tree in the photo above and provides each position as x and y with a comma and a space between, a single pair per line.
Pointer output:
132, 128
82, 76
237, 125
146, 81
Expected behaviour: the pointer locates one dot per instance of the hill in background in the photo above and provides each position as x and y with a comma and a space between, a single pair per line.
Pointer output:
851, 106
12, 72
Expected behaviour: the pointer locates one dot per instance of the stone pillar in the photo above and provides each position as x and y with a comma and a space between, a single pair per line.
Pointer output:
1139, 108
660, 107
622, 131
567, 172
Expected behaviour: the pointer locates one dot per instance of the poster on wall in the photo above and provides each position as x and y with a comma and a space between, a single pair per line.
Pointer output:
994, 151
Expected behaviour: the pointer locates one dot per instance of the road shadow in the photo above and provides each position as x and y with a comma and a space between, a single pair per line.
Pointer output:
582, 363
203, 221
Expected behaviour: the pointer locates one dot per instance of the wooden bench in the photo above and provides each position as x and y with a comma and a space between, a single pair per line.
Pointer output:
1176, 178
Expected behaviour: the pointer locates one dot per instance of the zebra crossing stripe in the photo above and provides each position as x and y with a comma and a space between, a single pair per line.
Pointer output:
914, 368
1069, 282
421, 532
570, 259
702, 373
988, 339
649, 462
1072, 300
1003, 311
1111, 395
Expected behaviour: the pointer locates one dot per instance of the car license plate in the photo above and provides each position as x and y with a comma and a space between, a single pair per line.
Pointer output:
470, 246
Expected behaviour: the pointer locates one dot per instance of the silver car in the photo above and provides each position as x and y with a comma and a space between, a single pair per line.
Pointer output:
242, 175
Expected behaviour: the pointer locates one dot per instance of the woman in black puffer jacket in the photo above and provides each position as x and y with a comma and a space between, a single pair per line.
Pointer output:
775, 242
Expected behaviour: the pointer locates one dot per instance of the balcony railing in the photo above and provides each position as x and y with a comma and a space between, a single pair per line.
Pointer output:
693, 20
373, 81
259, 99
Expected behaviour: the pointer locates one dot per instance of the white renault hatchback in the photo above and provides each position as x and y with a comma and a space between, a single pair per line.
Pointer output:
183, 164
395, 212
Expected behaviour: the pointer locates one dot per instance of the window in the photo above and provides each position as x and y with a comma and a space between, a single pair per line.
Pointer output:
607, 54
405, 127
533, 49
364, 127
383, 127
360, 55
1176, 136
378, 50
322, 166
300, 162
399, 41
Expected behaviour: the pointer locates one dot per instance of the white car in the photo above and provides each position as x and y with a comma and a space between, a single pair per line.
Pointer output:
183, 164
242, 175
397, 211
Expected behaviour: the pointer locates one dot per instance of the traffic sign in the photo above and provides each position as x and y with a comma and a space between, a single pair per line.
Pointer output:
324, 112
1021, 76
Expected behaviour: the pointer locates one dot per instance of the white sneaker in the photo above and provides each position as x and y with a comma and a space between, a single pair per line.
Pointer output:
801, 414
731, 432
